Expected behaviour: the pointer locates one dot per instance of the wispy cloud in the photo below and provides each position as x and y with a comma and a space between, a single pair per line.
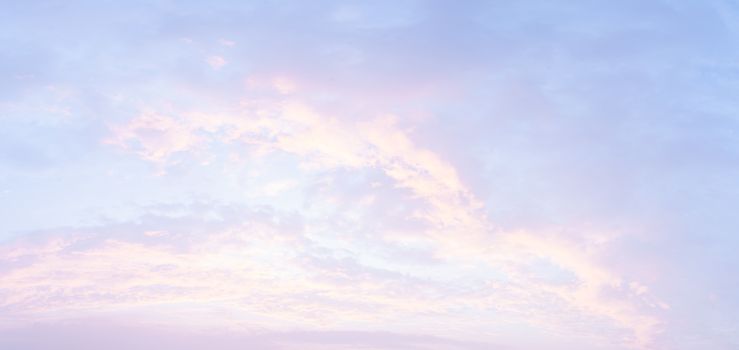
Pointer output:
395, 174
456, 226
216, 62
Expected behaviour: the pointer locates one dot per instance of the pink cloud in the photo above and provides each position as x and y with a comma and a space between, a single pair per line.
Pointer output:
216, 62
457, 230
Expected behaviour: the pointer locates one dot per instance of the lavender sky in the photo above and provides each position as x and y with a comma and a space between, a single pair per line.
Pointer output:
385, 175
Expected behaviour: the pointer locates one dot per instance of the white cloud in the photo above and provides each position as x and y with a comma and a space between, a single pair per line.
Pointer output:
456, 226
216, 62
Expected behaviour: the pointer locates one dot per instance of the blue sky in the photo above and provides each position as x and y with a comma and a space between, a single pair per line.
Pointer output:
386, 174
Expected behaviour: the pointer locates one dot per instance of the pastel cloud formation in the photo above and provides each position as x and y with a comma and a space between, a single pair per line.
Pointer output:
394, 175
453, 226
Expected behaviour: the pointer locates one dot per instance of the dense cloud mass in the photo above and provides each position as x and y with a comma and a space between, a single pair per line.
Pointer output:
369, 175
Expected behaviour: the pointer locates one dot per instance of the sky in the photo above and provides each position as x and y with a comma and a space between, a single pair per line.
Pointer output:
373, 175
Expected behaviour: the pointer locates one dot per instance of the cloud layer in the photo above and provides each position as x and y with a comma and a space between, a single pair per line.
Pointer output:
394, 175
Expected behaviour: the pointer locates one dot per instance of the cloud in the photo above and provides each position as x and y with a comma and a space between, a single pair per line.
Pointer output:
226, 42
216, 62
488, 170
88, 334
455, 224
155, 137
